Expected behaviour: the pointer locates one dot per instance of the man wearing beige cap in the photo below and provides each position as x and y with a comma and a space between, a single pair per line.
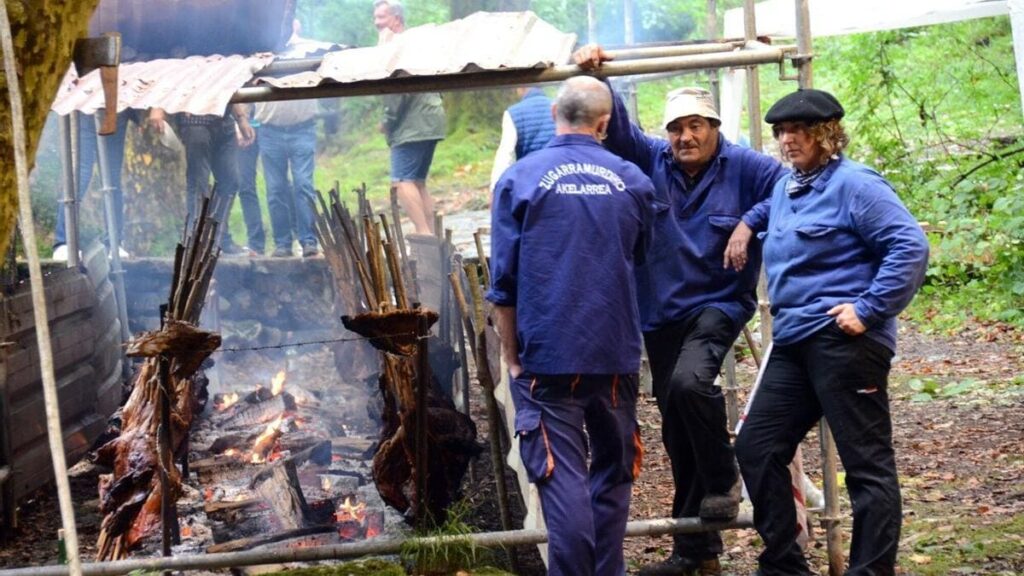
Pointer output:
696, 291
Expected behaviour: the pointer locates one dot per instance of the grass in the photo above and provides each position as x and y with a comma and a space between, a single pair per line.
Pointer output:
942, 543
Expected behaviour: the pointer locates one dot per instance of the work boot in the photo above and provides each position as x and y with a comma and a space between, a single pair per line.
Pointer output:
677, 565
718, 507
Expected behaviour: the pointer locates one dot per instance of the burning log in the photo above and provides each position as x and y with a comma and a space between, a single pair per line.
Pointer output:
139, 495
246, 415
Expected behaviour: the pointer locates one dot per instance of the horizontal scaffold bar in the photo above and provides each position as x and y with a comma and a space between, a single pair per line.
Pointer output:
375, 547
752, 54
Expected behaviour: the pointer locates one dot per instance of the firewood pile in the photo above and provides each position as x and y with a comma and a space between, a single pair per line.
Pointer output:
425, 444
139, 495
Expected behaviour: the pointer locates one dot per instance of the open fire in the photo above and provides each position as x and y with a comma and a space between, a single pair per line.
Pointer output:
355, 522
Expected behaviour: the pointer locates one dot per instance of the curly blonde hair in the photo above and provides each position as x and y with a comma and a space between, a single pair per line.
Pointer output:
830, 135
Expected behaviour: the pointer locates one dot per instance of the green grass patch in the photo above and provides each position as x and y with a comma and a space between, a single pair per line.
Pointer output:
941, 544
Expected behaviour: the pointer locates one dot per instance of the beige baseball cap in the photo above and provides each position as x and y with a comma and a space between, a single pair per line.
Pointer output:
689, 102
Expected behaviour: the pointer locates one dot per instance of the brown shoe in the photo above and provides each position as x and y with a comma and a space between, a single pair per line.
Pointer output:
718, 507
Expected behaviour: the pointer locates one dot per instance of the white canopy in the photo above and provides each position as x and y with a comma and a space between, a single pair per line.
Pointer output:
837, 17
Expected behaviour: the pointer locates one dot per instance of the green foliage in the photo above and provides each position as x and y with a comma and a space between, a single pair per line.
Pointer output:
450, 549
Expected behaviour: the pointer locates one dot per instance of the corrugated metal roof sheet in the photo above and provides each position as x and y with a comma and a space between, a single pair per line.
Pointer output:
204, 85
481, 41
197, 85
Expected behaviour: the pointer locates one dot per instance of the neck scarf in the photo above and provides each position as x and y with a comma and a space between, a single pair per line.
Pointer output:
801, 181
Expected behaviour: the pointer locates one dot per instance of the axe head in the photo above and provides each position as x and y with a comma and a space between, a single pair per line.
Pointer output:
92, 53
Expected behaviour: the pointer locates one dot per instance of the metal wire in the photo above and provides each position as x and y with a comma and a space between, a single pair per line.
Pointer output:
315, 342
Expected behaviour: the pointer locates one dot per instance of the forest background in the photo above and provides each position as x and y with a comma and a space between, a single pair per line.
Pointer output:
936, 110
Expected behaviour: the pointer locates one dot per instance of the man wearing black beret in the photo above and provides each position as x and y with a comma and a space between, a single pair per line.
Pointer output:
844, 257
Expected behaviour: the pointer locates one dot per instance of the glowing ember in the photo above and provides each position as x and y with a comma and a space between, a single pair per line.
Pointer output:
277, 383
232, 452
186, 531
347, 512
227, 401
208, 494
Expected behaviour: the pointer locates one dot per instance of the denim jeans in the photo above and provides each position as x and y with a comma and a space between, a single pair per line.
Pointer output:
686, 357
87, 159
250, 201
844, 378
211, 149
281, 149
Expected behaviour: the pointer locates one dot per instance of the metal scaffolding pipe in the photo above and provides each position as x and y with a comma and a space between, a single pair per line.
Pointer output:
376, 547
70, 192
758, 54
299, 65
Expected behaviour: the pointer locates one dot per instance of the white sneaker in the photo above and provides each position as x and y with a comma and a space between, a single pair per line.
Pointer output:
60, 253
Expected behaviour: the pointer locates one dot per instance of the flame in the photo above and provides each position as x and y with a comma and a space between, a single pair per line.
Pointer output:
266, 440
231, 452
227, 401
348, 512
277, 383
186, 531
325, 483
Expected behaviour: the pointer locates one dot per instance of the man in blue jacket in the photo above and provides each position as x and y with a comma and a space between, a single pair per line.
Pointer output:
697, 290
569, 225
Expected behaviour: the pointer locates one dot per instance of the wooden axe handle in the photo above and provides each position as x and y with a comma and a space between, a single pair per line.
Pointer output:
108, 77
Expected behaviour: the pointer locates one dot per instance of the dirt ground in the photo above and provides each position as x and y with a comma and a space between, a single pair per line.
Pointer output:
957, 403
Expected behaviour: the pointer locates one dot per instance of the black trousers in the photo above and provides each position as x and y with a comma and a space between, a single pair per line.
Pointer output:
845, 379
686, 357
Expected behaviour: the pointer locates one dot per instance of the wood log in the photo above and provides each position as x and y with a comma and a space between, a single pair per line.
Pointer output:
318, 454
283, 494
253, 541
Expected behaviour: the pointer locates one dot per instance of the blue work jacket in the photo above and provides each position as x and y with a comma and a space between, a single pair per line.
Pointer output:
569, 223
848, 239
683, 273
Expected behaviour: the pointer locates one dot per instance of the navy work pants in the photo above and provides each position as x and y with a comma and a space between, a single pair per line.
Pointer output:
685, 358
557, 419
844, 378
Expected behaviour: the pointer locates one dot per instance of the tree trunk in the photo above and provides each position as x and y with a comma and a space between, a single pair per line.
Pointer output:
44, 35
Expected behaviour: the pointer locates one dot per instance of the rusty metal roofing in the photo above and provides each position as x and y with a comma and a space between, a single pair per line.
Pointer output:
198, 85
481, 41
204, 85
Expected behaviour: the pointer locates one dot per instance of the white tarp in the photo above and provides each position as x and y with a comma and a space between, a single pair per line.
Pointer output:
777, 18
837, 17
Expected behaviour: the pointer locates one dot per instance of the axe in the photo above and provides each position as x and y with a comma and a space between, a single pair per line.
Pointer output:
103, 52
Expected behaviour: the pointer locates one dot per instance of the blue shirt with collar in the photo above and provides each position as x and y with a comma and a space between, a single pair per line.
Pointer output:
569, 223
683, 273
846, 239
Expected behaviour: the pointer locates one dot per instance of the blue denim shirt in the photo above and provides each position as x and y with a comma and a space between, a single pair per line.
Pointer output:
568, 225
847, 239
684, 273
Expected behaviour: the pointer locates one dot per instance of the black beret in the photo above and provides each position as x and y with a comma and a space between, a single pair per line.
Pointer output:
806, 104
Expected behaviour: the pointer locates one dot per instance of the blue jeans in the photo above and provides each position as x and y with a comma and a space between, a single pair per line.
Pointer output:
247, 159
87, 159
585, 509
211, 149
282, 148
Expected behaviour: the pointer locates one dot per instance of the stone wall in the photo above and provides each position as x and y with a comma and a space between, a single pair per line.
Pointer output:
259, 301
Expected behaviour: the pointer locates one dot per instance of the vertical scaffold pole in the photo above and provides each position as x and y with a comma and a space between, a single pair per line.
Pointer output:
712, 35
829, 459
